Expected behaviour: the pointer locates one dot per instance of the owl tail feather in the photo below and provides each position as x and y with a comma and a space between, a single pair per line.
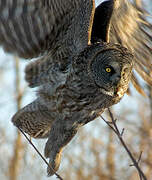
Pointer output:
60, 135
34, 119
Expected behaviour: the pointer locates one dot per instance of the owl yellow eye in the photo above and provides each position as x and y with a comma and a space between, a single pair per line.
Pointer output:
108, 69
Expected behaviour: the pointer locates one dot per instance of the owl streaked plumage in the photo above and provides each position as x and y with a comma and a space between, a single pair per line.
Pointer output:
80, 71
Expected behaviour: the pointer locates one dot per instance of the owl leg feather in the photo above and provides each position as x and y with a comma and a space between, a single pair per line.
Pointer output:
60, 135
34, 119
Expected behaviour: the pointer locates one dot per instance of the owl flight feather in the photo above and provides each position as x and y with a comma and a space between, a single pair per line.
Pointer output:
74, 43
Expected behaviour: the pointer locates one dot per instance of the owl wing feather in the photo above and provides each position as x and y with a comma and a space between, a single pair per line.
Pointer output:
34, 119
129, 27
28, 28
101, 23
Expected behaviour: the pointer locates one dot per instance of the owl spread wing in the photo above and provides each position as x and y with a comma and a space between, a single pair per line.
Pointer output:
28, 28
101, 23
129, 27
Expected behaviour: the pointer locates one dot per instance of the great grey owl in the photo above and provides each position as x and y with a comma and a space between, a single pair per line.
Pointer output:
80, 71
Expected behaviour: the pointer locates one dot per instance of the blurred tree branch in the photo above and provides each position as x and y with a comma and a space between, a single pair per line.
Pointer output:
110, 157
14, 165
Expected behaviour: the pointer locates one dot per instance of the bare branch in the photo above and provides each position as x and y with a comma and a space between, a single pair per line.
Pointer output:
14, 165
122, 132
138, 159
119, 134
57, 175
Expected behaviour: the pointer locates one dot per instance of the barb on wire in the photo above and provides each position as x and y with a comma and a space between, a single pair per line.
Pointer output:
57, 175
113, 125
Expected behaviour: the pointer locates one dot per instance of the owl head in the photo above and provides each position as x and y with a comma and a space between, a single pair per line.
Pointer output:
109, 68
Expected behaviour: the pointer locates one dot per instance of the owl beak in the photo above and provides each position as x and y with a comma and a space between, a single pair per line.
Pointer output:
115, 79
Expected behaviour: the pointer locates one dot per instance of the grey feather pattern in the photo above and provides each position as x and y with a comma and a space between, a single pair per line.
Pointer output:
73, 85
29, 28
